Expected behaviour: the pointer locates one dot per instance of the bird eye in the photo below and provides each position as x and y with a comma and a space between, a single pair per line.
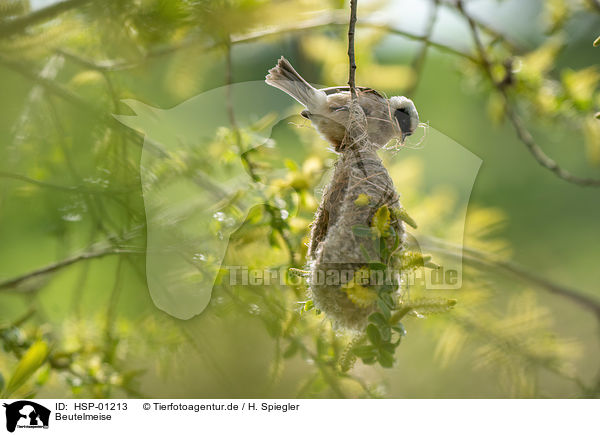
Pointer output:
403, 119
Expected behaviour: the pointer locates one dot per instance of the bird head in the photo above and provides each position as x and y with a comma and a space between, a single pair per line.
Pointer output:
406, 115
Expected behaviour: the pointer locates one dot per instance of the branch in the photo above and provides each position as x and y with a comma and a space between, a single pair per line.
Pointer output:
244, 155
75, 100
419, 61
13, 282
71, 189
524, 135
480, 258
23, 318
495, 34
541, 157
332, 19
19, 24
515, 345
595, 4
351, 56
56, 89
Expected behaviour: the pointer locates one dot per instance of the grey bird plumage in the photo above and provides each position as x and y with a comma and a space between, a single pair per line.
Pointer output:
327, 108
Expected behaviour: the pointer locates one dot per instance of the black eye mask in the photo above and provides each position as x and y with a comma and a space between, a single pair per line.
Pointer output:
403, 119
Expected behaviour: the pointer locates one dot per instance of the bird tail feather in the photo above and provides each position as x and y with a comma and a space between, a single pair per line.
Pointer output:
283, 76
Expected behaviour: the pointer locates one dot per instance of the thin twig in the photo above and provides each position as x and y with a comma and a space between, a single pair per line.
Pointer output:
229, 94
70, 189
244, 154
97, 212
524, 135
20, 24
419, 61
79, 285
595, 4
540, 156
513, 344
351, 56
60, 91
333, 19
23, 318
420, 38
113, 302
495, 34
231, 113
65, 94
480, 258
90, 255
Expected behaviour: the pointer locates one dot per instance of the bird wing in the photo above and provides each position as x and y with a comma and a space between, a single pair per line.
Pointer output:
361, 89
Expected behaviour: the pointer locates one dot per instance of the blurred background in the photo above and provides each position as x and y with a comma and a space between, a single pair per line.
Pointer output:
495, 78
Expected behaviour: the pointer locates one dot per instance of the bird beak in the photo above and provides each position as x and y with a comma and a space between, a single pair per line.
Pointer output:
404, 136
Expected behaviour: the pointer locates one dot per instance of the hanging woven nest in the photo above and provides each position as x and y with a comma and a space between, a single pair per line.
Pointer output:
356, 228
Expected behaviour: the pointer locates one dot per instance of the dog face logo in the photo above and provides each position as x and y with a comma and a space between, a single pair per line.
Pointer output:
26, 414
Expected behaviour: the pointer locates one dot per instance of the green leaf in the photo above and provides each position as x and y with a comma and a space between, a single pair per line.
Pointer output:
580, 86
377, 266
496, 107
386, 333
1, 382
362, 231
388, 288
385, 310
412, 260
591, 131
362, 200
404, 216
558, 12
322, 346
378, 319
370, 360
373, 334
386, 359
291, 350
383, 250
290, 164
382, 325
389, 347
431, 265
366, 351
273, 241
387, 299
364, 252
396, 242
536, 63
43, 376
30, 362
381, 220
309, 305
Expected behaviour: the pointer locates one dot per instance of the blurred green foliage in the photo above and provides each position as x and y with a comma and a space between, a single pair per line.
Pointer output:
83, 325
